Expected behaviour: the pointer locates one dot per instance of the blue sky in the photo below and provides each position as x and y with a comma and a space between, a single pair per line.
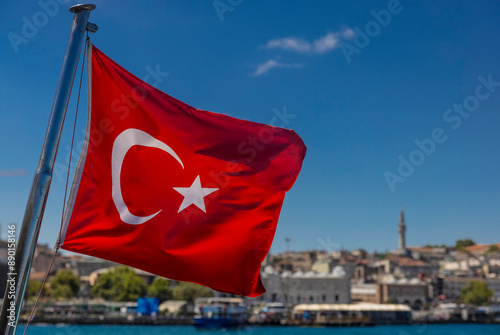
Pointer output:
364, 82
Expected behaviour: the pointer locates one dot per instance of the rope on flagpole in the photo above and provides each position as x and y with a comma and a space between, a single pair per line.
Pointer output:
57, 246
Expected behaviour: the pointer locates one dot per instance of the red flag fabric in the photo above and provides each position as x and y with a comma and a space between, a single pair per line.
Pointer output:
176, 191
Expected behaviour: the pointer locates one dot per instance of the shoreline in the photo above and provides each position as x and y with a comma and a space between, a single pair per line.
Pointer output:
163, 321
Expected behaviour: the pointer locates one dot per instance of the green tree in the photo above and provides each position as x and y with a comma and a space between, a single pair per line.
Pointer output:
34, 287
493, 248
382, 255
462, 244
276, 260
160, 288
64, 285
476, 293
435, 245
190, 291
119, 284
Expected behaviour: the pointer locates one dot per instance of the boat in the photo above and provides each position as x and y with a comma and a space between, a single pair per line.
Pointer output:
220, 313
274, 313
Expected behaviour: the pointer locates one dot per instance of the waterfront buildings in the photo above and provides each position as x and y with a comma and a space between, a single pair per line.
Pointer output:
300, 287
350, 314
412, 275
452, 285
414, 292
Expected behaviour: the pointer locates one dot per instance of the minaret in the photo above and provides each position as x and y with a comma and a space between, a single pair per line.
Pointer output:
402, 231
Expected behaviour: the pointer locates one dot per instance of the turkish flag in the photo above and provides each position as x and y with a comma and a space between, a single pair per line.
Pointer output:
173, 190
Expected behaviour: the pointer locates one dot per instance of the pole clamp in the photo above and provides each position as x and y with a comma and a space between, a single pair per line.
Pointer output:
91, 27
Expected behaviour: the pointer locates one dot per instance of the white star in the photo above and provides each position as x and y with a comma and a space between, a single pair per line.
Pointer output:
194, 195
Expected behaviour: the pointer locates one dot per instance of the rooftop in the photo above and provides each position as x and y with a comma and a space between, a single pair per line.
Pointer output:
352, 307
411, 262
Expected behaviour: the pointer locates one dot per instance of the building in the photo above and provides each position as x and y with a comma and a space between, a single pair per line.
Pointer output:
297, 260
452, 286
480, 249
414, 292
43, 257
349, 263
365, 271
325, 265
365, 293
350, 314
461, 266
386, 266
411, 268
428, 253
84, 266
333, 288
494, 284
300, 287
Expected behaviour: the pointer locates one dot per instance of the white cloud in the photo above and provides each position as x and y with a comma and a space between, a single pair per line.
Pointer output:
321, 45
271, 64
348, 34
289, 43
326, 43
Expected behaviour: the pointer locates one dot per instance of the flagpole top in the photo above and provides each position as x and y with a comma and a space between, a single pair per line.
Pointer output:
80, 8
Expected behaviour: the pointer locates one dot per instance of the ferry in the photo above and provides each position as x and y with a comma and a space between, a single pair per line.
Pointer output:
220, 313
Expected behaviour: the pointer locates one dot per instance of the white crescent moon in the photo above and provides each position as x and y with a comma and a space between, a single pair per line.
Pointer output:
123, 142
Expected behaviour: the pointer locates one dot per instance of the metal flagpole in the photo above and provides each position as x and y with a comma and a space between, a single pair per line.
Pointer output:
18, 273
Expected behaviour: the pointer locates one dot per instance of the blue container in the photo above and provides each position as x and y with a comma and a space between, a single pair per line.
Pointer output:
147, 306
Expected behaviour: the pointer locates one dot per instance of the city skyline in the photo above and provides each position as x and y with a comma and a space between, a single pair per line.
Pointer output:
396, 101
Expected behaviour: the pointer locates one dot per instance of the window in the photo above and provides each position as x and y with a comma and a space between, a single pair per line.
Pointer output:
336, 298
323, 298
